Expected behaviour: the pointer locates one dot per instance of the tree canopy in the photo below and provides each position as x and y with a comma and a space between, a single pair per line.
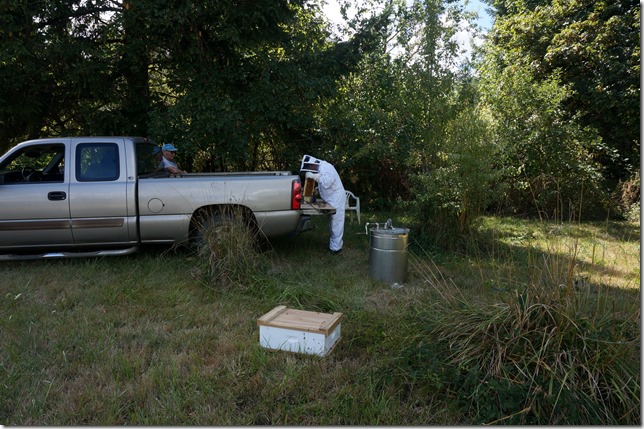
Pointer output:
226, 77
593, 47
549, 105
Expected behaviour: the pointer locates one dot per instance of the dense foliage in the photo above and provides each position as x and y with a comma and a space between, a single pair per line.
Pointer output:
240, 80
562, 81
593, 46
544, 121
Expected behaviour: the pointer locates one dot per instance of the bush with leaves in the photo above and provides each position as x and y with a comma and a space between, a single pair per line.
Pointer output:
546, 157
459, 184
627, 199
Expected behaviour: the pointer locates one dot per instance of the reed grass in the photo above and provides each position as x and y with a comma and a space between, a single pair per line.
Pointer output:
553, 347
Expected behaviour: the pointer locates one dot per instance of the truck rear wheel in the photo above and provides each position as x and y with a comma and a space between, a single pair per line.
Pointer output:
222, 231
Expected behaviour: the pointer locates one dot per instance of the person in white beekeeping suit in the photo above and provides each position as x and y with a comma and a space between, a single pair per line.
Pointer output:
331, 191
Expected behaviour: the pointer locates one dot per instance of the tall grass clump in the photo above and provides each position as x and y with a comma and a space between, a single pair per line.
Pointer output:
556, 351
228, 250
544, 358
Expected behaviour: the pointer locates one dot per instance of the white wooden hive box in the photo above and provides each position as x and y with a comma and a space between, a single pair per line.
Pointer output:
299, 331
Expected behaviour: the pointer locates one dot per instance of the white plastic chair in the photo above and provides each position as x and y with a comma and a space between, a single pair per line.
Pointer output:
352, 208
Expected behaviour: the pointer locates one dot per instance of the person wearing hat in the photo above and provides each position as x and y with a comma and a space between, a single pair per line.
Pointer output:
167, 162
331, 191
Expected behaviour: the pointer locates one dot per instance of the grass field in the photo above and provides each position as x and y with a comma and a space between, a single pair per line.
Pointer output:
146, 340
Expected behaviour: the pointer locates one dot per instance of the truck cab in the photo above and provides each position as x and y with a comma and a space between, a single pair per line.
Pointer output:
66, 191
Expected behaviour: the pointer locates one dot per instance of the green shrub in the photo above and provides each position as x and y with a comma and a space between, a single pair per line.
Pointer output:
457, 189
626, 198
548, 159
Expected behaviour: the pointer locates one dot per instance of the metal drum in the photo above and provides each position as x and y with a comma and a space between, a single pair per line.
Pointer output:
388, 254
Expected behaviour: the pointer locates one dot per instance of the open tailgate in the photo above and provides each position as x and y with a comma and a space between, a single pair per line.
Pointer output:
317, 208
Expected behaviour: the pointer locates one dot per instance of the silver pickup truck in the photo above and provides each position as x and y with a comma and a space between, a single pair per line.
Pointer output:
87, 196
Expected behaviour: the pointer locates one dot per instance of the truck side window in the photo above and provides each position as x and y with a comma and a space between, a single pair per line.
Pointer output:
148, 157
97, 162
37, 163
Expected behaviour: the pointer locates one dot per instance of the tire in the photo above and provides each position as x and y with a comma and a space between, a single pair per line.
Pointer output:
216, 229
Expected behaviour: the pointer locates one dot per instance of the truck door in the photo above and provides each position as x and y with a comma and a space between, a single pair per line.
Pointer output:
98, 193
34, 189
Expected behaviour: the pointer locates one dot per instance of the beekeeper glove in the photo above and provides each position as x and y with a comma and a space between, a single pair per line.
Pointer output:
314, 176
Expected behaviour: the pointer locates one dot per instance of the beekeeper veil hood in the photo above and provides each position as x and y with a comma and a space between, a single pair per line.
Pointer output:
310, 163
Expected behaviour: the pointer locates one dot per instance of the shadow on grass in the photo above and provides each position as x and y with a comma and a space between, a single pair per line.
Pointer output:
552, 253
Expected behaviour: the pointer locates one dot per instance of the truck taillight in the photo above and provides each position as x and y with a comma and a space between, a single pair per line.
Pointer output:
296, 195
